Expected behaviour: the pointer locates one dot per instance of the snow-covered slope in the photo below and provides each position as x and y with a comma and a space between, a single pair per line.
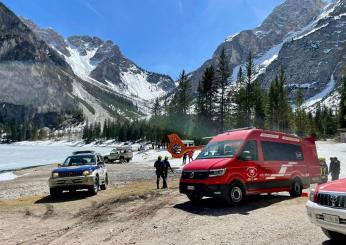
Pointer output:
107, 72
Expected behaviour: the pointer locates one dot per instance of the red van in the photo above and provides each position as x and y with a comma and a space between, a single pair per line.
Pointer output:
251, 161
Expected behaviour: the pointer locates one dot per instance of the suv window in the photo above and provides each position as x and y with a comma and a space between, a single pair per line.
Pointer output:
250, 149
274, 151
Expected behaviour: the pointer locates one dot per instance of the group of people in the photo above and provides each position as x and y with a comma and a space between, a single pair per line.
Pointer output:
187, 154
162, 167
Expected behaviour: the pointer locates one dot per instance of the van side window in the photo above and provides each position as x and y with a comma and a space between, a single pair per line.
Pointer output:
274, 151
250, 147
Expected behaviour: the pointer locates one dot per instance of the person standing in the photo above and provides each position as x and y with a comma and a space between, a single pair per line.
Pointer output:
159, 172
184, 158
190, 154
334, 168
166, 166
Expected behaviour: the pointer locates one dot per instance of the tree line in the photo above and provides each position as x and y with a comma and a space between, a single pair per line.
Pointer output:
218, 105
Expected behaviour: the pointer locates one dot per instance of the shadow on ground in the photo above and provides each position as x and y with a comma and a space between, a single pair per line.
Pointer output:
218, 207
64, 197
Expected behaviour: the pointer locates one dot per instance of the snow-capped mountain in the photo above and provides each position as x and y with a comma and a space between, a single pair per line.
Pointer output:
98, 61
305, 37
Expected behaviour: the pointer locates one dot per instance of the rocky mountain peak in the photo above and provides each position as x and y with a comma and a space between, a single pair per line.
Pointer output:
85, 43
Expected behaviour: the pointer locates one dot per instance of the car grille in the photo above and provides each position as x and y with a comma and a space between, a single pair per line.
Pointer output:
71, 174
333, 200
195, 174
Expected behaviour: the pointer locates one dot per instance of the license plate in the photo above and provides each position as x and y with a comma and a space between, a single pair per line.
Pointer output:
331, 218
190, 188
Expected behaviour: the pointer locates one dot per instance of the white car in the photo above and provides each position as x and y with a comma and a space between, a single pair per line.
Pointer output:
326, 208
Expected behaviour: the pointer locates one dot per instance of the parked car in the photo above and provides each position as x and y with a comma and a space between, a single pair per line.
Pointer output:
122, 154
251, 161
82, 170
326, 208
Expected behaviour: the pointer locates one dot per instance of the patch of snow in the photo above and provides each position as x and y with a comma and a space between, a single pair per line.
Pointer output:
81, 65
136, 84
230, 38
7, 176
318, 97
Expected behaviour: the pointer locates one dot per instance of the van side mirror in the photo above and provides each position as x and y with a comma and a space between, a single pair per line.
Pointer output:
245, 156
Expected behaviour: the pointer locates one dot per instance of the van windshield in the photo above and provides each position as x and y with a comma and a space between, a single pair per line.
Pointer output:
221, 149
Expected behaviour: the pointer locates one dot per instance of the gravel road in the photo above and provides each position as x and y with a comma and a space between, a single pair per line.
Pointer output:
131, 211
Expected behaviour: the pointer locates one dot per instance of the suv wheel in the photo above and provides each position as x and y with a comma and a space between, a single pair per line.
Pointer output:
128, 160
55, 192
334, 235
296, 188
194, 197
236, 194
94, 188
104, 186
122, 160
106, 160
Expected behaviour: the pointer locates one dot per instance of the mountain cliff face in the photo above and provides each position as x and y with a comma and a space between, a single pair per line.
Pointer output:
266, 40
314, 59
31, 73
306, 38
98, 61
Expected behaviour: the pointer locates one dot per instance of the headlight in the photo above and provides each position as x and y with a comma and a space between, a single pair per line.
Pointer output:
55, 175
87, 172
217, 172
312, 195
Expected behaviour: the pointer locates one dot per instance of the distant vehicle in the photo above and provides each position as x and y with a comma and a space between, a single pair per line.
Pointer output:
122, 154
251, 161
79, 171
178, 147
326, 208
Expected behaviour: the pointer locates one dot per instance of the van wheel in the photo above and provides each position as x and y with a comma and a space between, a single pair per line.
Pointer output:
334, 235
194, 197
296, 188
236, 194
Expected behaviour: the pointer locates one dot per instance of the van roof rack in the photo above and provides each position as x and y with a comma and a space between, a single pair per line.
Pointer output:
239, 129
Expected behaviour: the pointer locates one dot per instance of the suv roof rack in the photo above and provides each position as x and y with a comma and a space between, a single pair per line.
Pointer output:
239, 129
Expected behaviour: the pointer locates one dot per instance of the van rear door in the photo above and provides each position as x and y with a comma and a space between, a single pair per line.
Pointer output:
311, 160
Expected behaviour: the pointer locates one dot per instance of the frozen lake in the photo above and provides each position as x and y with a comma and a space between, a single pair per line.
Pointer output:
21, 156
28, 154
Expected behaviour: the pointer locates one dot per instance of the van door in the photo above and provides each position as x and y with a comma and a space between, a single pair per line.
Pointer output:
251, 167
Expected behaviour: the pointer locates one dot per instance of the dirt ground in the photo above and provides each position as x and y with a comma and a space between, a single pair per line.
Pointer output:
131, 211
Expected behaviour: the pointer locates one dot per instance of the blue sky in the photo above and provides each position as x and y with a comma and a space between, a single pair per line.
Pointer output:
164, 36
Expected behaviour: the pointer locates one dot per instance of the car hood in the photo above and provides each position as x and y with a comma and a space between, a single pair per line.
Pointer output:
334, 186
75, 169
207, 164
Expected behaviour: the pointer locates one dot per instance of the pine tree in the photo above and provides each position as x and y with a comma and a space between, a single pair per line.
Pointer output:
342, 105
156, 109
223, 74
300, 117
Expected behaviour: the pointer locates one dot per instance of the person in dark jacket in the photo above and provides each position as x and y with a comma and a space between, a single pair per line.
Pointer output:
159, 172
184, 158
166, 166
334, 168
